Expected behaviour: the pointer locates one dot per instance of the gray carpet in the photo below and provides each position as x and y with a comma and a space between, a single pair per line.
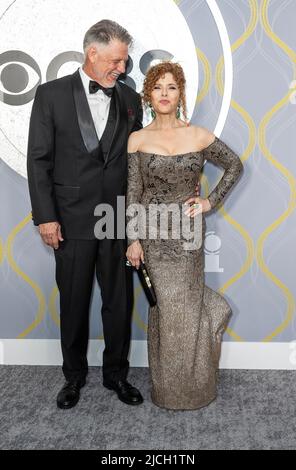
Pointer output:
254, 410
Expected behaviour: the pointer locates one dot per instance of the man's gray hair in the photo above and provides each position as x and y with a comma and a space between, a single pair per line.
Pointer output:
104, 31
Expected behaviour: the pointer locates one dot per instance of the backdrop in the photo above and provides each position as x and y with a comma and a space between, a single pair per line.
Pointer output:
239, 59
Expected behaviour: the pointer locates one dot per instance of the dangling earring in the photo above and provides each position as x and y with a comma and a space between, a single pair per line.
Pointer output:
153, 115
178, 113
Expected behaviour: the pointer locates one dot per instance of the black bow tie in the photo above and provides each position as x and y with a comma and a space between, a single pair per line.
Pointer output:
95, 86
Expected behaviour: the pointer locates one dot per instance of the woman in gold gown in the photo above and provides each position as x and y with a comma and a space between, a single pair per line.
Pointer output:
165, 160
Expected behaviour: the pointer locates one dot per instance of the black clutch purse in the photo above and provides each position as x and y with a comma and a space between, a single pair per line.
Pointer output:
147, 285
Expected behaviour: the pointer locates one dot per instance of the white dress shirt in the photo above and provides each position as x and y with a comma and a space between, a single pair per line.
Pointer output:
99, 104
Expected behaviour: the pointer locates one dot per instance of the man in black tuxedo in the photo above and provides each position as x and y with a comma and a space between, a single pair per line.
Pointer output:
77, 159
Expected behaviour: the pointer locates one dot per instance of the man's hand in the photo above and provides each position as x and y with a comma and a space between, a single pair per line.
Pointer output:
51, 234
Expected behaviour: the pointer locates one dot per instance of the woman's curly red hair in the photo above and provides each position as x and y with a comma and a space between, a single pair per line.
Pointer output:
159, 70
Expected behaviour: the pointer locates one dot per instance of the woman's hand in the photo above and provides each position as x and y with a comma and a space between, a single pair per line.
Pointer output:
135, 254
197, 205
197, 189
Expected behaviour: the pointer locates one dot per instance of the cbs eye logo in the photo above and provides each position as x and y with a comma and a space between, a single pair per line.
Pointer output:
19, 70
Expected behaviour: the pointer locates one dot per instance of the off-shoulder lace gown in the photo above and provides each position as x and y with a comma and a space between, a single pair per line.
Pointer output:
185, 327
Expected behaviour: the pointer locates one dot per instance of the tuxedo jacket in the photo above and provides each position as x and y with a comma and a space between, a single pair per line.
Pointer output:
71, 171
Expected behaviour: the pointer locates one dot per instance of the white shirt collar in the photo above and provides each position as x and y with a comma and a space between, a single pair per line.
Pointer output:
85, 80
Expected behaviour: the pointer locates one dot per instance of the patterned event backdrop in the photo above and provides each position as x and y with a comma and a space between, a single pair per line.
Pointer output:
239, 58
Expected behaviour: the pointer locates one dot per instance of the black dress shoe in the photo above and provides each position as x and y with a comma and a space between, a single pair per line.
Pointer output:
125, 392
69, 395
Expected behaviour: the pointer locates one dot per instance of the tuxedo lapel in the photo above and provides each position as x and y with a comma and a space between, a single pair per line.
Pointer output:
121, 118
85, 120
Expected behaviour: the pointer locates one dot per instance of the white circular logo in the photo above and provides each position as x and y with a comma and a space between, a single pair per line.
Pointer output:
38, 35
42, 40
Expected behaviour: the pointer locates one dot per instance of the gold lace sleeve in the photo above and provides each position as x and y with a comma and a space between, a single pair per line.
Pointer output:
133, 196
221, 155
